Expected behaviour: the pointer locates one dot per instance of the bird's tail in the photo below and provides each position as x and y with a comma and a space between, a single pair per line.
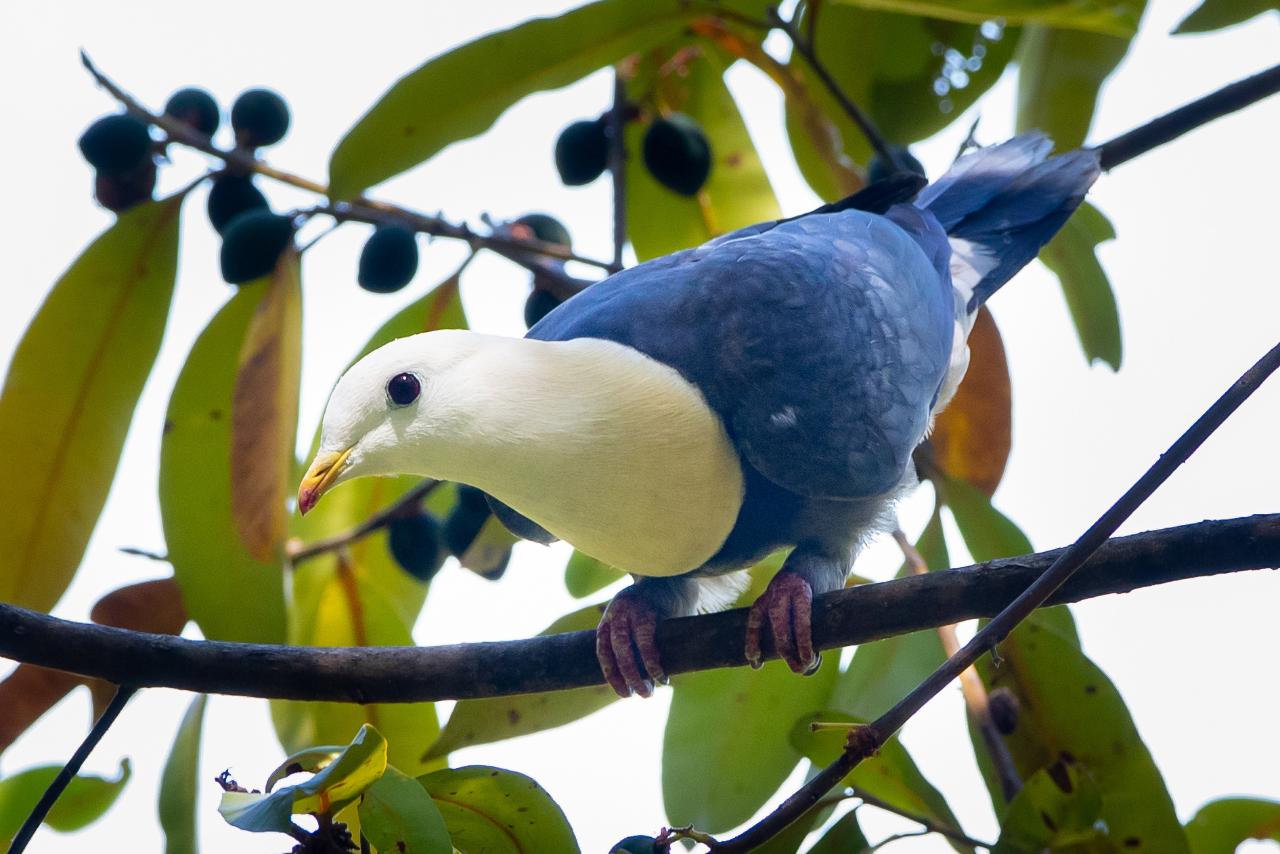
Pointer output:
1000, 204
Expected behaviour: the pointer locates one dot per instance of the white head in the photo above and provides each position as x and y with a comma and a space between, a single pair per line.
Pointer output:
389, 413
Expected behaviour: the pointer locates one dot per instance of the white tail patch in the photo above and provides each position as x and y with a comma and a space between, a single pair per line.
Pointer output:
718, 592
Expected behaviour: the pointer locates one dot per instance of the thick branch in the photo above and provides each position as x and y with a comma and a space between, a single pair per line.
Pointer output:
406, 674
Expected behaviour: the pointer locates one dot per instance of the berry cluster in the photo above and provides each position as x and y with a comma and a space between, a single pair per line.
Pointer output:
419, 542
676, 152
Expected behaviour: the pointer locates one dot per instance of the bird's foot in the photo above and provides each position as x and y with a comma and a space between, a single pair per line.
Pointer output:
627, 647
787, 606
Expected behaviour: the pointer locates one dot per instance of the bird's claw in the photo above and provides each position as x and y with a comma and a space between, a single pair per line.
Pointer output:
787, 606
627, 648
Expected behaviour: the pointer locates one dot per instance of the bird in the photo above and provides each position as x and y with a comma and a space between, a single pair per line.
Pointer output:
686, 417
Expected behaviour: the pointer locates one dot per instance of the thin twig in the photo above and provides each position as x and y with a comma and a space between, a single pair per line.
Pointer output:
907, 834
971, 687
1170, 126
406, 504
805, 48
864, 741
844, 617
69, 771
617, 122
927, 823
137, 551
362, 209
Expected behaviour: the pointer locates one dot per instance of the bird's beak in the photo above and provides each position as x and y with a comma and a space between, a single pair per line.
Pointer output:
324, 471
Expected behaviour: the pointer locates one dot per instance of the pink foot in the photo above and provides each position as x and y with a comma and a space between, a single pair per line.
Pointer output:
627, 648
787, 606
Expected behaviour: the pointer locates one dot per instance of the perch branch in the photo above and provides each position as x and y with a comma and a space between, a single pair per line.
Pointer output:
362, 209
866, 740
409, 674
408, 502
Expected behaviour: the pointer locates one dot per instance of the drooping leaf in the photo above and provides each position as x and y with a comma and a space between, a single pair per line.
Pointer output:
70, 393
1068, 708
891, 775
1117, 18
26, 694
495, 811
230, 594
1220, 826
690, 80
179, 783
1072, 256
461, 93
843, 837
339, 783
1056, 808
882, 672
972, 437
84, 800
911, 75
496, 718
153, 606
584, 575
264, 412
723, 755
397, 815
1216, 14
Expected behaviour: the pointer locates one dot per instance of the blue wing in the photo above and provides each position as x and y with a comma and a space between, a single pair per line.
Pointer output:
821, 341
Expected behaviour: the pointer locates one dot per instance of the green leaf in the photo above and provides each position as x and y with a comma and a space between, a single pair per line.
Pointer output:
584, 575
1056, 808
84, 800
497, 718
723, 754
891, 775
887, 65
1071, 255
843, 837
70, 393
495, 811
1117, 18
882, 672
179, 783
737, 193
230, 594
397, 815
1069, 708
1220, 826
341, 782
461, 93
1216, 14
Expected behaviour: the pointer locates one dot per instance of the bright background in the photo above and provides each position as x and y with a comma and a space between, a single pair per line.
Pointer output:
1194, 271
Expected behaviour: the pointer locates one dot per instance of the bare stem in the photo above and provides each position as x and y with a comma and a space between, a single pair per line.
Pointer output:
617, 122
865, 741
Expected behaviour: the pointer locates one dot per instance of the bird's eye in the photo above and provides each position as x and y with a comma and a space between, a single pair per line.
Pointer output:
403, 389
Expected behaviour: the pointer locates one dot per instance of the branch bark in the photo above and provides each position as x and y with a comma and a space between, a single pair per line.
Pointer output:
463, 671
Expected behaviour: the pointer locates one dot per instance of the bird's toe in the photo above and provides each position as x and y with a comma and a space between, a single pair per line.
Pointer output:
626, 646
787, 607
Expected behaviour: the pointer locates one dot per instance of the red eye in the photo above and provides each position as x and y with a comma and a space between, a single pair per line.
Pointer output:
403, 389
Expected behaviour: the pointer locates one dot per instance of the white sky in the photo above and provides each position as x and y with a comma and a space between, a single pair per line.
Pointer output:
1194, 272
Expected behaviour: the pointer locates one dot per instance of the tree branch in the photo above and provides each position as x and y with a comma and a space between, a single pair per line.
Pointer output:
866, 740
409, 674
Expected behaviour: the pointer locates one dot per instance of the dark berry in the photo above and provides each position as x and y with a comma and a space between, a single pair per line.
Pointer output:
230, 196
116, 144
118, 192
416, 545
389, 259
637, 845
197, 108
677, 153
1004, 708
465, 519
880, 168
582, 152
259, 117
252, 245
538, 305
546, 228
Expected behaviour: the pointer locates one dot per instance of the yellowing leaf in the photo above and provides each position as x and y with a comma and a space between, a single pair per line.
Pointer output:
461, 93
230, 594
495, 811
972, 437
264, 412
70, 394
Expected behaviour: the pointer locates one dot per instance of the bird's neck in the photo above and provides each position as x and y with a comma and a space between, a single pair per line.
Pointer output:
601, 445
